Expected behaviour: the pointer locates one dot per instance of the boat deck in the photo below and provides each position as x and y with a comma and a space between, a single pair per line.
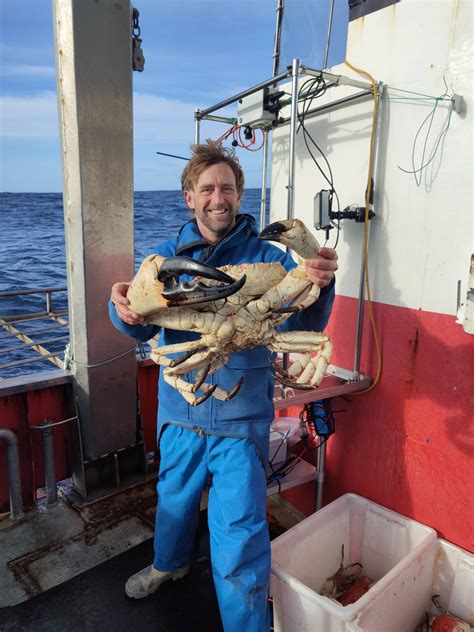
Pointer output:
96, 598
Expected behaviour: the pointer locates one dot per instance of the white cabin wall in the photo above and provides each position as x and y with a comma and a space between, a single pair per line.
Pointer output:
422, 238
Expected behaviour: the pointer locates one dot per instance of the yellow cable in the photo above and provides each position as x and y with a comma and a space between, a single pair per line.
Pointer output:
366, 228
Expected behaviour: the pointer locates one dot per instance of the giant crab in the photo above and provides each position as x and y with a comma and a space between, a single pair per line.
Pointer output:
238, 308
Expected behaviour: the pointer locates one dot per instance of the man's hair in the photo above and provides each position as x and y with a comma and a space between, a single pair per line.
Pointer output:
205, 156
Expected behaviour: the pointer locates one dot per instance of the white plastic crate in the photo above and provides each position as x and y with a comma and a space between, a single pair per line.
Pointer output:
384, 542
444, 570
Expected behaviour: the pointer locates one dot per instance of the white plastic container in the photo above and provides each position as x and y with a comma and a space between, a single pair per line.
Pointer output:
384, 542
444, 570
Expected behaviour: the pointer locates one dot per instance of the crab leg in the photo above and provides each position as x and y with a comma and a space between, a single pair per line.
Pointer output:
309, 369
196, 360
187, 319
187, 390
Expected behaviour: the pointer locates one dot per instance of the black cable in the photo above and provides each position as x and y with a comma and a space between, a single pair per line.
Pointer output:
307, 98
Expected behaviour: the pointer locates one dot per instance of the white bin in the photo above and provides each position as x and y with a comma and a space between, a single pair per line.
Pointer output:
384, 542
444, 570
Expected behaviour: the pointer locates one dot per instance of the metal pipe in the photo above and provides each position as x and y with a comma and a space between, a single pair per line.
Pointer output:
47, 428
293, 127
295, 70
229, 120
197, 126
25, 318
339, 80
49, 466
328, 36
35, 331
245, 93
52, 357
320, 475
25, 345
37, 347
330, 106
263, 200
14, 482
360, 314
360, 310
276, 49
23, 292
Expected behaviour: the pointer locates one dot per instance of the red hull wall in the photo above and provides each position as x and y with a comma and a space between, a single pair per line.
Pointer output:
19, 413
408, 443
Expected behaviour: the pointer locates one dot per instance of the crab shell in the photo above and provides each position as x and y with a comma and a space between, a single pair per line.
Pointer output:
361, 585
449, 623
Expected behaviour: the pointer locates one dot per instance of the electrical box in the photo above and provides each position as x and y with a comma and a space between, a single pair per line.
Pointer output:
252, 112
322, 208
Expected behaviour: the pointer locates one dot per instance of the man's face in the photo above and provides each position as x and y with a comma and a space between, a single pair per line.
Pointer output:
215, 201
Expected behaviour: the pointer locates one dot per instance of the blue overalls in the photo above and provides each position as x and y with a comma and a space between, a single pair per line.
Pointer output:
222, 443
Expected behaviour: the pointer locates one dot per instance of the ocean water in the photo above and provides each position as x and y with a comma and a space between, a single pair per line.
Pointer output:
32, 256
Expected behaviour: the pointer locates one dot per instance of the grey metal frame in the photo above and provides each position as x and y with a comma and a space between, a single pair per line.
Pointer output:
333, 80
360, 307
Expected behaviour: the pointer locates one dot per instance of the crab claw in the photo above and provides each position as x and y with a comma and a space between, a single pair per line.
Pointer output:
185, 293
294, 234
154, 287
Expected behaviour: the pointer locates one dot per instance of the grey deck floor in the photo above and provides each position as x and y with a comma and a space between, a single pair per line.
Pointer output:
95, 601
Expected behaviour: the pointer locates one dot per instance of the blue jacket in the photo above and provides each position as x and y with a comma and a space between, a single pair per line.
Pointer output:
251, 411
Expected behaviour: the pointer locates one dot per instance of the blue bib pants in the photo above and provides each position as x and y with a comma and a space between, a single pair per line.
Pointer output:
240, 543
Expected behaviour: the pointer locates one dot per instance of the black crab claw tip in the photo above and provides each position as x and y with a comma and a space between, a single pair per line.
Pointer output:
273, 232
185, 293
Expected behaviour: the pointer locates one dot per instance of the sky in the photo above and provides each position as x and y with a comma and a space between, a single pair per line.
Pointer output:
197, 53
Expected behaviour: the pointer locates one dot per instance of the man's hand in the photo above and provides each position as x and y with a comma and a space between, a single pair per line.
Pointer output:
121, 302
321, 270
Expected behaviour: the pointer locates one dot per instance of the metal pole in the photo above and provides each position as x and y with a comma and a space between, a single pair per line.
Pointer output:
293, 127
49, 304
320, 475
291, 160
360, 311
276, 49
229, 120
338, 80
263, 200
49, 465
13, 464
245, 93
333, 105
328, 36
197, 126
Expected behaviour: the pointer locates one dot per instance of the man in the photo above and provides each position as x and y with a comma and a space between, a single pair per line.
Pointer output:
224, 444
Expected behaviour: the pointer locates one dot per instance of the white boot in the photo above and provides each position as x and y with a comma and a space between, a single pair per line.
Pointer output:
146, 581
